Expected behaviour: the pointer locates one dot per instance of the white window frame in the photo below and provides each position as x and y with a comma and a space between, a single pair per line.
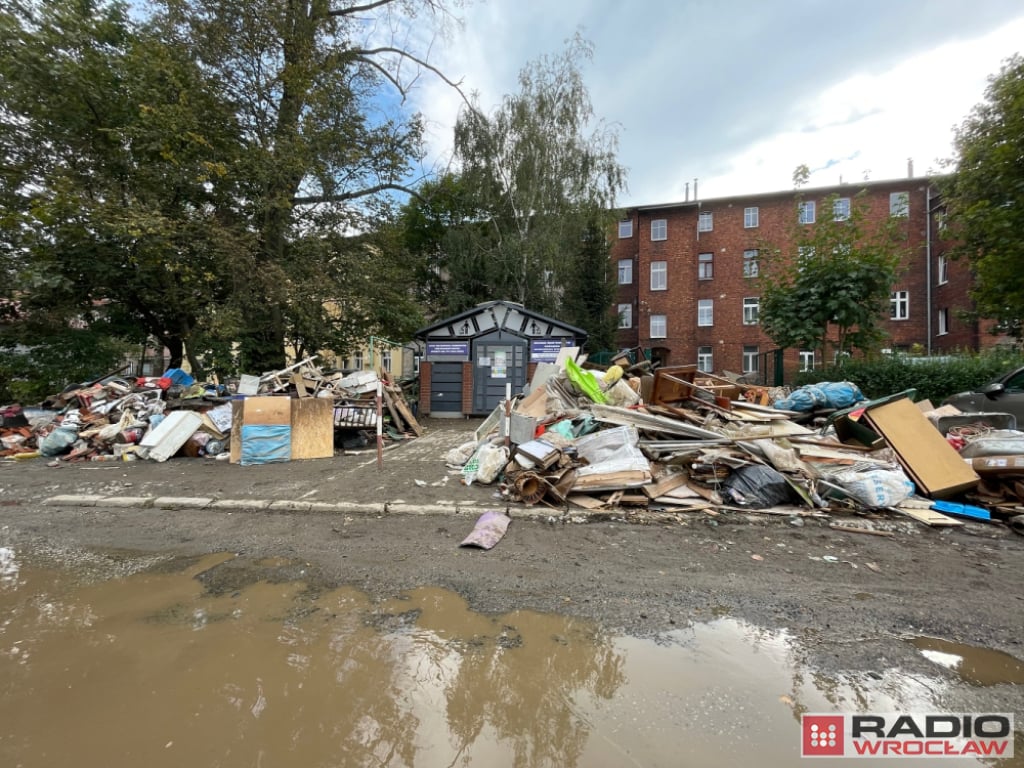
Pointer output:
899, 204
385, 359
899, 305
625, 315
751, 310
625, 271
705, 359
706, 221
659, 326
659, 229
357, 360
751, 217
625, 229
807, 359
750, 262
841, 209
659, 275
807, 212
705, 313
751, 355
705, 266
943, 318
943, 269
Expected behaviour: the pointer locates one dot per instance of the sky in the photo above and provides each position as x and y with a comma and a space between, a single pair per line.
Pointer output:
731, 96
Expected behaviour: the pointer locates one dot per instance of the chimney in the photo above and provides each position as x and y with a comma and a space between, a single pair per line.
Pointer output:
695, 189
687, 193
910, 167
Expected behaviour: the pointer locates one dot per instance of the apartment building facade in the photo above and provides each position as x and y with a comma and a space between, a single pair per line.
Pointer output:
688, 289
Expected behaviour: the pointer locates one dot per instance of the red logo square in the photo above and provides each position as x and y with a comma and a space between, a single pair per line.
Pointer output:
823, 735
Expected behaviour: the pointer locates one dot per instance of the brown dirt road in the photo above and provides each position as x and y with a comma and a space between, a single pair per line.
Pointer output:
856, 599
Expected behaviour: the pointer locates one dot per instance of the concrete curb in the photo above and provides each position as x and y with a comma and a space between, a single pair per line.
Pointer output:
286, 505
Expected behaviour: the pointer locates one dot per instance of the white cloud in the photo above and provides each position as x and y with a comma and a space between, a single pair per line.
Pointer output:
737, 93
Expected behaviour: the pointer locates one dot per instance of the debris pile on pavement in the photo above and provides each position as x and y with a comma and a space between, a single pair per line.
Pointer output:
587, 441
298, 412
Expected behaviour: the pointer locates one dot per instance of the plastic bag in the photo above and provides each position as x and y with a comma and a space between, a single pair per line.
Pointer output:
827, 394
492, 459
58, 442
876, 487
757, 486
457, 457
585, 381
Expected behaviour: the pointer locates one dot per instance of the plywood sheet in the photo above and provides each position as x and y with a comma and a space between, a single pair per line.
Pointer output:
932, 463
312, 420
266, 410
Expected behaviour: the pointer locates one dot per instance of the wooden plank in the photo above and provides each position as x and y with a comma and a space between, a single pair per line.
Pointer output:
396, 418
312, 428
584, 501
406, 413
928, 516
664, 484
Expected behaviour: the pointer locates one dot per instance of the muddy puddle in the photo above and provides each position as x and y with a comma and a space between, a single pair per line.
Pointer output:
180, 666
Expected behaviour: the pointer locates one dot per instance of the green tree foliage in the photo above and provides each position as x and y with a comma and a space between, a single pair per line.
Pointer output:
589, 273
984, 198
831, 285
538, 174
310, 83
112, 157
204, 173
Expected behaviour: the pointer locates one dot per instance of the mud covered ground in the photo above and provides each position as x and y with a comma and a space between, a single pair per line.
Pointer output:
855, 599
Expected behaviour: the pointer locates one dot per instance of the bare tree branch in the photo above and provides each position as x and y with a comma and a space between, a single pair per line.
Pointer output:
365, 54
345, 196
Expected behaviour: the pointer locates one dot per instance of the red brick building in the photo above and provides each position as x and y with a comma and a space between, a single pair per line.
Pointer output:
687, 287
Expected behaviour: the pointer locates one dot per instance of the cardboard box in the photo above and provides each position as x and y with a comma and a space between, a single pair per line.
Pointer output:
931, 462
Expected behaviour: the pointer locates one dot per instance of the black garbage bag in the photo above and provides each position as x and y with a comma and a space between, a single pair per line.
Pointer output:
757, 486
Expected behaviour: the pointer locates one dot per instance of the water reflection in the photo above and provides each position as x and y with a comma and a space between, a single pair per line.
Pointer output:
157, 669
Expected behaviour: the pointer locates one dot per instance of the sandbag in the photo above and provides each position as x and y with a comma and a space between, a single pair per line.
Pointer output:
876, 487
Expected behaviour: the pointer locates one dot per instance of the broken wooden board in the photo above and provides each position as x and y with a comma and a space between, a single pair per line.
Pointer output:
312, 421
585, 501
926, 515
406, 414
664, 484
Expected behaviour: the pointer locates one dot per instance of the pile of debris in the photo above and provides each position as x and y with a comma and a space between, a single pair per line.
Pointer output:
587, 440
118, 418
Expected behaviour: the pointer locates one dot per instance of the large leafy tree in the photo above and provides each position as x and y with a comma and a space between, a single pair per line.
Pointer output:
830, 284
539, 168
984, 198
206, 171
315, 91
115, 217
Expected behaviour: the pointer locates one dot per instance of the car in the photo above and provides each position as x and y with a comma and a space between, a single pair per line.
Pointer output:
1003, 395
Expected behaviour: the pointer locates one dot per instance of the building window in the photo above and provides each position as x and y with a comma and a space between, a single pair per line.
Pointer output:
659, 229
357, 360
705, 312
658, 327
899, 305
806, 359
750, 356
750, 217
625, 228
625, 315
750, 262
841, 209
385, 360
943, 270
751, 309
659, 275
705, 266
943, 322
899, 204
704, 360
625, 271
705, 221
807, 212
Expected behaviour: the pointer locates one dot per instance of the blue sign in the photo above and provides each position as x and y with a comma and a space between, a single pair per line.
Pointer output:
546, 350
443, 348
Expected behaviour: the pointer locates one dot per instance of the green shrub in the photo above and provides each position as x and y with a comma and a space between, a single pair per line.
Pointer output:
934, 378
